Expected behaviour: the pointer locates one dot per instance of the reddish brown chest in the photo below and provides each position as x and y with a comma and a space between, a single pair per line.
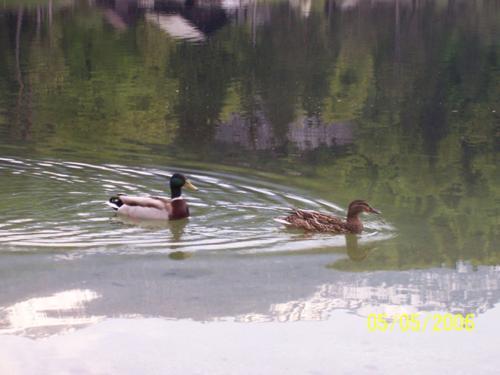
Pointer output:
180, 210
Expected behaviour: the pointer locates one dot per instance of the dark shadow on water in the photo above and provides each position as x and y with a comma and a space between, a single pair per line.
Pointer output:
189, 20
180, 255
355, 251
176, 228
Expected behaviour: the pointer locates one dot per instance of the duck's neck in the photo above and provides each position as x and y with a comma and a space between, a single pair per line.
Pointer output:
175, 192
354, 223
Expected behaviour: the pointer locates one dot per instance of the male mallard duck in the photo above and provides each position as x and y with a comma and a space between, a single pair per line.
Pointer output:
156, 208
319, 222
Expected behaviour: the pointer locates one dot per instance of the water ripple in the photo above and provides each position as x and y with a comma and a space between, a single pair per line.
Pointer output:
57, 205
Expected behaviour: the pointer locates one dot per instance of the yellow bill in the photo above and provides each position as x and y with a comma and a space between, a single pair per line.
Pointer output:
190, 186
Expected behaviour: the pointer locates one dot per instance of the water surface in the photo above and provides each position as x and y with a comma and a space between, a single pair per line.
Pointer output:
265, 105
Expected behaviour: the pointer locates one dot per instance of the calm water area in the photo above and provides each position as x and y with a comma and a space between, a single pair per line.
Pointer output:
265, 105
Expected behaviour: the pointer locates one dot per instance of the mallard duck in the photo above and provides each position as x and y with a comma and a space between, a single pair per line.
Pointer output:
314, 221
155, 208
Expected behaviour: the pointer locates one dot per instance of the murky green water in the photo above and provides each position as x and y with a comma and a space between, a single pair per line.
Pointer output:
265, 105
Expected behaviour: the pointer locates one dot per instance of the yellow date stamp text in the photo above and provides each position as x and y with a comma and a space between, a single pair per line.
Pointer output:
416, 322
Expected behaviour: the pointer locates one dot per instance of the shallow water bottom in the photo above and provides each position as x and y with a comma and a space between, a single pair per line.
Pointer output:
339, 345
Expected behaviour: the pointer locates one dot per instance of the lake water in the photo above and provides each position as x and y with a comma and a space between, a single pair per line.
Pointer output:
265, 105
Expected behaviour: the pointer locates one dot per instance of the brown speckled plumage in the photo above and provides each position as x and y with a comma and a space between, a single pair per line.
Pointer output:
314, 221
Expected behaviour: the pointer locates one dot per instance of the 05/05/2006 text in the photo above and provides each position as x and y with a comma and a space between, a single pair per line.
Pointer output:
416, 323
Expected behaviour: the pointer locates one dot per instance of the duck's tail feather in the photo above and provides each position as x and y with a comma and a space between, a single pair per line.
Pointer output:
115, 202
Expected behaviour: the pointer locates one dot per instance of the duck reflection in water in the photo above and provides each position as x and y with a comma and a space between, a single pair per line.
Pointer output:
176, 227
355, 252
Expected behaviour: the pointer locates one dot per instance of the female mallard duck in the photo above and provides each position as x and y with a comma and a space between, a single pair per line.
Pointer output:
319, 222
156, 208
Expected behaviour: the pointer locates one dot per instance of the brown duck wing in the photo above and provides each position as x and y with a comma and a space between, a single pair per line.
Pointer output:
318, 216
316, 221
